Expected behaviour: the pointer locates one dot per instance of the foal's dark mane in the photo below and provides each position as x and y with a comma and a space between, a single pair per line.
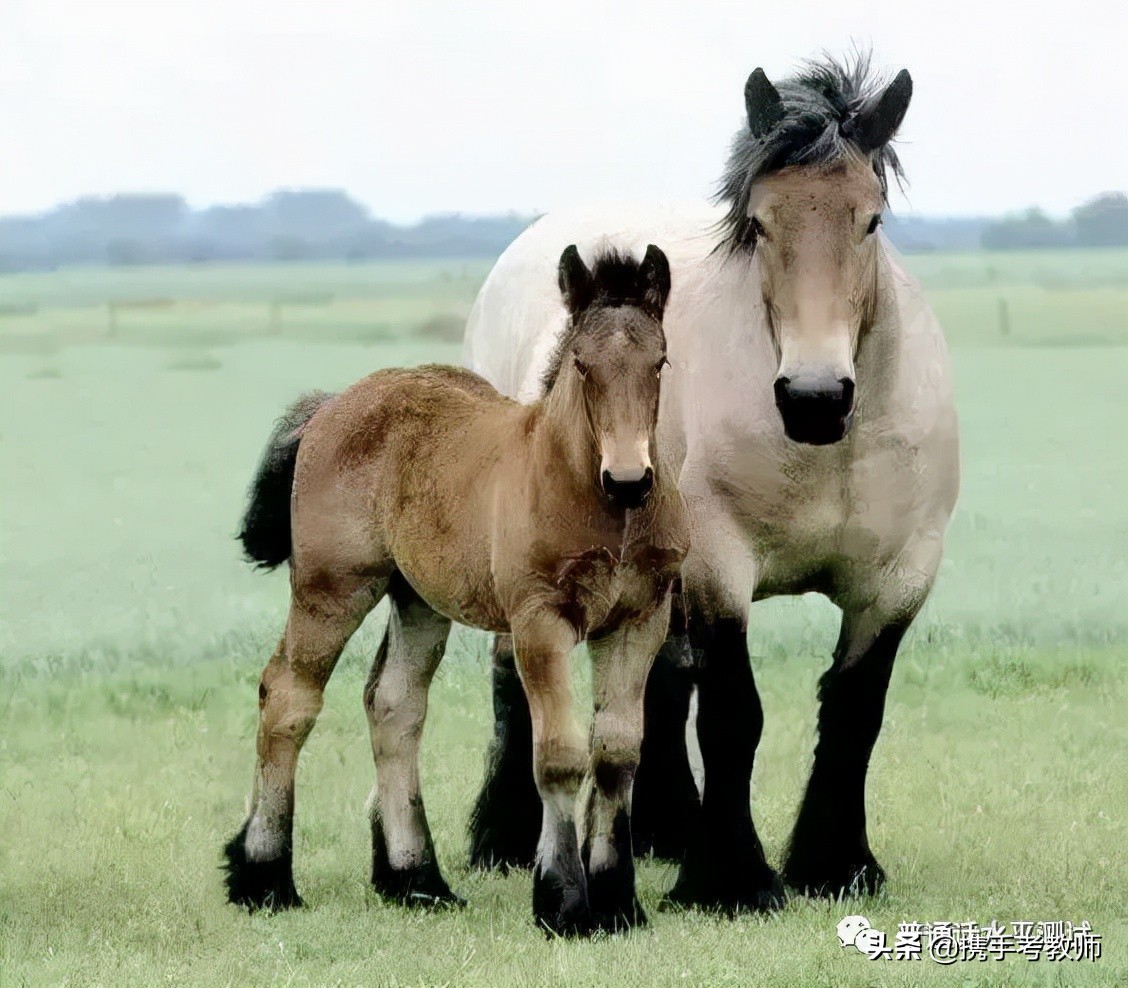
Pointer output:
619, 282
820, 104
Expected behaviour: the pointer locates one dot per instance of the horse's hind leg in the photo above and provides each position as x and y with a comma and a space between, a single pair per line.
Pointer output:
620, 663
321, 621
404, 866
666, 804
506, 818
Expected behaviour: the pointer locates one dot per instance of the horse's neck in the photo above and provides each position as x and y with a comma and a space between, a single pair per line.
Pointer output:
879, 345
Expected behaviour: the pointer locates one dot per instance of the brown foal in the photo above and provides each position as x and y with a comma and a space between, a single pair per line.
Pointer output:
554, 522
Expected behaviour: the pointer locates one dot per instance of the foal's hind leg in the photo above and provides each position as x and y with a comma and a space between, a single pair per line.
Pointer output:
620, 663
506, 818
404, 866
321, 621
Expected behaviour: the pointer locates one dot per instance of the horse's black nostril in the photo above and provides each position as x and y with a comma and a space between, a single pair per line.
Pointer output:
816, 411
628, 493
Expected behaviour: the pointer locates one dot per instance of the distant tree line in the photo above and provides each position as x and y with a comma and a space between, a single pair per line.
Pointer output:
324, 224
1100, 222
288, 225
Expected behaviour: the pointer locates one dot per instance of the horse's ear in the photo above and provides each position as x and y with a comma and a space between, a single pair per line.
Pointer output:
654, 274
575, 280
876, 125
763, 103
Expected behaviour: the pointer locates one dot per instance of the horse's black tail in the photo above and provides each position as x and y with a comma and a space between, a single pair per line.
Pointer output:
265, 533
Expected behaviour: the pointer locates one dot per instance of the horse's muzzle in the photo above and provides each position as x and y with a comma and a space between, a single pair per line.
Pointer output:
628, 493
815, 412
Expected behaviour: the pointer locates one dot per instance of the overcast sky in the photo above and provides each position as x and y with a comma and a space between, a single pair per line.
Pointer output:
417, 106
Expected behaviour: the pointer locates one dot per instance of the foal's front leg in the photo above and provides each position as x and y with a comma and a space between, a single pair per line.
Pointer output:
621, 662
542, 643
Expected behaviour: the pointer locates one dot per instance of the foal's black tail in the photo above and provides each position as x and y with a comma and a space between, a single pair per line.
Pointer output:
266, 523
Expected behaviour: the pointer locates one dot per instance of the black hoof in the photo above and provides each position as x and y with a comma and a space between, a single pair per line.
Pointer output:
733, 891
423, 886
259, 884
611, 888
834, 879
611, 894
560, 905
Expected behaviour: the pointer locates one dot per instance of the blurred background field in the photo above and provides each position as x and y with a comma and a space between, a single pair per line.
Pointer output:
135, 402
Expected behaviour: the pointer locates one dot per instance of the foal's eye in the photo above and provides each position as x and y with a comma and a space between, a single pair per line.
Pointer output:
581, 367
757, 229
658, 367
873, 224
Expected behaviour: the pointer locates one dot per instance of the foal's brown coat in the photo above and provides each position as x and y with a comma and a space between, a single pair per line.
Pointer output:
428, 486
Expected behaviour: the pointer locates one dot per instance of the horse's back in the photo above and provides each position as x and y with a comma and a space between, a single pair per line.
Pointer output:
519, 314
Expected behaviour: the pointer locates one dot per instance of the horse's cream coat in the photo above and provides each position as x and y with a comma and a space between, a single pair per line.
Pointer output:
861, 520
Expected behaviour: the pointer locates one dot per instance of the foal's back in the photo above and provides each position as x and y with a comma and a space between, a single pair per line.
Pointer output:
389, 475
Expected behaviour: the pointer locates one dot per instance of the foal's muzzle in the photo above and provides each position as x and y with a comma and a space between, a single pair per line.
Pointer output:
628, 492
815, 411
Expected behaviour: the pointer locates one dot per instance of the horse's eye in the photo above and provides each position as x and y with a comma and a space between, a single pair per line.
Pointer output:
873, 224
757, 229
581, 367
658, 367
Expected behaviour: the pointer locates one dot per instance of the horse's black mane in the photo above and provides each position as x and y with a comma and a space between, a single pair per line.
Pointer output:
820, 104
618, 281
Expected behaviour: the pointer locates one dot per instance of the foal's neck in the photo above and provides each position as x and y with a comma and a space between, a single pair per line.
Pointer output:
564, 450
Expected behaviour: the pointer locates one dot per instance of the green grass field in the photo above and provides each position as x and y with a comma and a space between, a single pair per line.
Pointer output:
132, 637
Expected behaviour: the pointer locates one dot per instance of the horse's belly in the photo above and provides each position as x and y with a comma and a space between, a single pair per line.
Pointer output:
453, 585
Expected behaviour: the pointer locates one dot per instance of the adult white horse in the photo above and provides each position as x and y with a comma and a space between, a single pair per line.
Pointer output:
809, 401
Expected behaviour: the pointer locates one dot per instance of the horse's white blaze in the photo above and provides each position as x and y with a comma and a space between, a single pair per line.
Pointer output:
768, 514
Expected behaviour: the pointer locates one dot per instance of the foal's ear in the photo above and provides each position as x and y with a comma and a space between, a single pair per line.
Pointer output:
763, 103
654, 277
575, 280
877, 124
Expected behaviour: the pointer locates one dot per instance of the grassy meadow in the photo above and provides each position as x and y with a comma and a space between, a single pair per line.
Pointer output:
133, 406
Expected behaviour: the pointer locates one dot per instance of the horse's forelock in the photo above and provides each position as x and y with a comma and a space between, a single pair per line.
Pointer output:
821, 104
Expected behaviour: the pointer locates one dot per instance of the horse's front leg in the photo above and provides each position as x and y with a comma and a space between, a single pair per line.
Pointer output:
542, 644
724, 865
621, 662
829, 852
505, 821
666, 803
